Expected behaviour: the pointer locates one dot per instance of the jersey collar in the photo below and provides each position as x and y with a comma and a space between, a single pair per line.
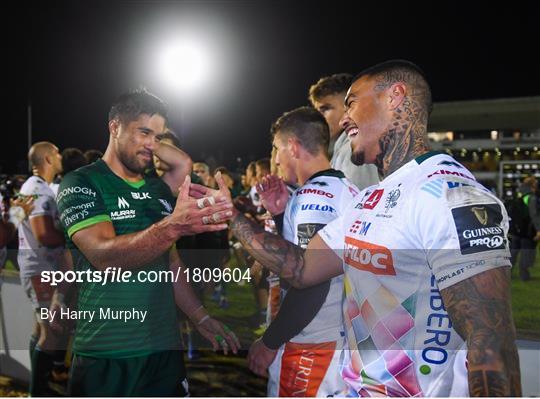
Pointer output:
328, 172
427, 155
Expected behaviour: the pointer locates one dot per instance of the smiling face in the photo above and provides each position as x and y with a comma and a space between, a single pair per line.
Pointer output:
365, 120
136, 141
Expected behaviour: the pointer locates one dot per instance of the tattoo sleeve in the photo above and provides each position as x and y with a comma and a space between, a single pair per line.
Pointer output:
273, 251
479, 308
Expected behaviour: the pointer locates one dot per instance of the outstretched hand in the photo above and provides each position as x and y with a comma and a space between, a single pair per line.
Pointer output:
273, 193
199, 191
198, 214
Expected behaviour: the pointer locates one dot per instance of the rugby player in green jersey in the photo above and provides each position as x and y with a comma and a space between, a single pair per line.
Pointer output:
116, 216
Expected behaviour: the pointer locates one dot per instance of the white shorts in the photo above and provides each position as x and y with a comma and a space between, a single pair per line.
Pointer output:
307, 370
39, 293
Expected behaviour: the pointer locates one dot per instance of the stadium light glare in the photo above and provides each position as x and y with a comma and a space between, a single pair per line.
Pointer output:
184, 65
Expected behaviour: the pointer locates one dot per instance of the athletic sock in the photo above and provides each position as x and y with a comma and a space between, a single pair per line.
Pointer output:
32, 346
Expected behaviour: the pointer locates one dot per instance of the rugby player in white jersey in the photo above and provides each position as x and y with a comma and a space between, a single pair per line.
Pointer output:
304, 343
424, 253
41, 242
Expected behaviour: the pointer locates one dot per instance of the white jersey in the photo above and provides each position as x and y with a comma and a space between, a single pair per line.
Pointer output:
425, 227
319, 201
310, 364
54, 187
33, 257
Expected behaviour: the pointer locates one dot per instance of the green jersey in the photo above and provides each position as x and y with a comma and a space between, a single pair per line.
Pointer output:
94, 194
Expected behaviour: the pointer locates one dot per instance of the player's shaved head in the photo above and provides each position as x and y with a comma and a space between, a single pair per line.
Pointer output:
38, 152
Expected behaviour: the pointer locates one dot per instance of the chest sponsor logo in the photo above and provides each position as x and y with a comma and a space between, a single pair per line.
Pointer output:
306, 231
76, 190
121, 215
140, 196
314, 191
451, 173
369, 257
479, 228
124, 213
166, 204
372, 200
317, 207
359, 227
122, 203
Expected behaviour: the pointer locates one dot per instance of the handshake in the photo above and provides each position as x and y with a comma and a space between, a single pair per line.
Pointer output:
200, 209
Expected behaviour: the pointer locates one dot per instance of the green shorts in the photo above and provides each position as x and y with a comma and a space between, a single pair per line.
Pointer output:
158, 374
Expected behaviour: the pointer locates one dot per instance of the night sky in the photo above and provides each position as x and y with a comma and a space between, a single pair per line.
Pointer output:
71, 59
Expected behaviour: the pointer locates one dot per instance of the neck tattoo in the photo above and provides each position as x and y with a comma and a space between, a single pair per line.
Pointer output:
405, 137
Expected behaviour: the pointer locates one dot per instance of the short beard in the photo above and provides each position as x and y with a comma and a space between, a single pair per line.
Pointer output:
358, 158
131, 163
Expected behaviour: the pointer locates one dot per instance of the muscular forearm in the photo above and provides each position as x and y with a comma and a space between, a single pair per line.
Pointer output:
272, 251
493, 365
479, 308
184, 295
177, 165
130, 251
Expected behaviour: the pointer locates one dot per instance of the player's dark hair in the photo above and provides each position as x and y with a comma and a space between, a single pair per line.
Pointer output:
393, 71
307, 125
130, 105
328, 85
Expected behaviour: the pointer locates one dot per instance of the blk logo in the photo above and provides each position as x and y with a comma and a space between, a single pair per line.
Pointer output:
141, 196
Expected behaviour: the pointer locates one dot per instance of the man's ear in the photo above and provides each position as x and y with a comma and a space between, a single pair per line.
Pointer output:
114, 127
293, 147
47, 159
396, 95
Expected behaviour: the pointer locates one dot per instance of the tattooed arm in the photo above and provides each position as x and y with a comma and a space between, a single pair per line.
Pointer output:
301, 268
479, 308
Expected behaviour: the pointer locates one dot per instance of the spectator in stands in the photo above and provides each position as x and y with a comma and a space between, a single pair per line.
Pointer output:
328, 96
